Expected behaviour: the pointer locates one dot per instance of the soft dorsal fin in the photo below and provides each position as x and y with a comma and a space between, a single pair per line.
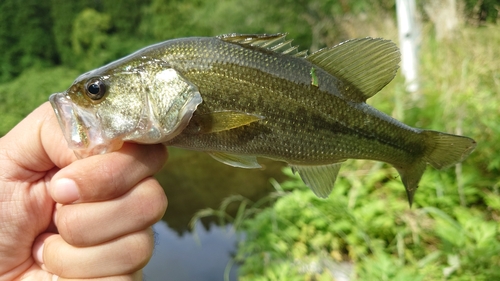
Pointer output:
368, 64
273, 42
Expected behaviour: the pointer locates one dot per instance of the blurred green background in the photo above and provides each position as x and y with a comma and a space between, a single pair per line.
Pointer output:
452, 231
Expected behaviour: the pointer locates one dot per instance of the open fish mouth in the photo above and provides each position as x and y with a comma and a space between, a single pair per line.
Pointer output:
81, 128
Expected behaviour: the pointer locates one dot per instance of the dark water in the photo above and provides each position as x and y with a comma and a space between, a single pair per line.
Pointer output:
200, 255
194, 181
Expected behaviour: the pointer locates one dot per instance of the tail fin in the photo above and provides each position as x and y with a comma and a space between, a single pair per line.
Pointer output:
443, 150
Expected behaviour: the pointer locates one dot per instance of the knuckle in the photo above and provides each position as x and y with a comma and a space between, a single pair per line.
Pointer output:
105, 185
68, 223
140, 245
153, 201
54, 257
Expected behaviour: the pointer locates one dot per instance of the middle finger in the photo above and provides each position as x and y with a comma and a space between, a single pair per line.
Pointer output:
86, 224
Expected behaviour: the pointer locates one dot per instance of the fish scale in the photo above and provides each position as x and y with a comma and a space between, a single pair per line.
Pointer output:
239, 97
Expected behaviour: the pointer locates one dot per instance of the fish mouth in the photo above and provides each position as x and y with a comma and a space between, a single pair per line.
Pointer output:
81, 128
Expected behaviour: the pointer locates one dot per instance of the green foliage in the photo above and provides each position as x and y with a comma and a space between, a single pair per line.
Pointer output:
481, 11
24, 41
89, 37
63, 14
464, 75
19, 97
373, 228
42, 33
125, 16
316, 21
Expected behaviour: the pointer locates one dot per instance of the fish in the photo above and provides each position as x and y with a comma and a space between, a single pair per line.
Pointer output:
239, 97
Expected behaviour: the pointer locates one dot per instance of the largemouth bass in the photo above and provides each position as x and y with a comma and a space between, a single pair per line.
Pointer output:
239, 97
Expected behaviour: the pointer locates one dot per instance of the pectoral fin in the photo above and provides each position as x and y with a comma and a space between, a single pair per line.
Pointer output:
221, 121
240, 161
319, 178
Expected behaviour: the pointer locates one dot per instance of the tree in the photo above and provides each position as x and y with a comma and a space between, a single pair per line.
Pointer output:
24, 40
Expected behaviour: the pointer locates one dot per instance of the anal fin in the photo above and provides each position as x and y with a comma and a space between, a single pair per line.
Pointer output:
240, 161
320, 179
410, 176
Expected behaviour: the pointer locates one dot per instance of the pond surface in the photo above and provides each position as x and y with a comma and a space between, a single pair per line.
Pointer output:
199, 255
194, 181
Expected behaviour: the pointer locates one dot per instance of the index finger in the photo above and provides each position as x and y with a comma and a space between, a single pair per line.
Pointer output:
34, 146
107, 176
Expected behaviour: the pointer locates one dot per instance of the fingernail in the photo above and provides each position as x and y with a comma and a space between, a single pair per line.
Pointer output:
55, 277
65, 191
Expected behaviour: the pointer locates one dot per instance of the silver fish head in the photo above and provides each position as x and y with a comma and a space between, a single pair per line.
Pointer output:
137, 100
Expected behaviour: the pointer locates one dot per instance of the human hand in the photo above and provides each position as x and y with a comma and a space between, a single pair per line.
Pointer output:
77, 220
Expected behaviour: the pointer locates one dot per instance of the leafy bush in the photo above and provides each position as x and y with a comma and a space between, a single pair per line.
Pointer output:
366, 221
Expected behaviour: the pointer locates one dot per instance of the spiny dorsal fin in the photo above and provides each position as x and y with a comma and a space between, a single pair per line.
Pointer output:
368, 64
274, 42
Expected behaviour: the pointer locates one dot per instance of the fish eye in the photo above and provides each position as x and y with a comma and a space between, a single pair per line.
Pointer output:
95, 89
